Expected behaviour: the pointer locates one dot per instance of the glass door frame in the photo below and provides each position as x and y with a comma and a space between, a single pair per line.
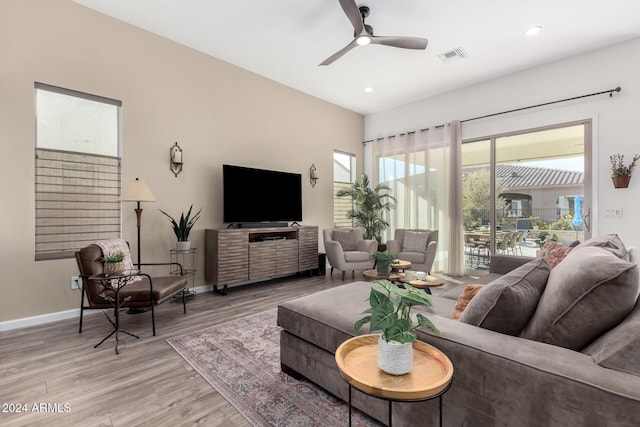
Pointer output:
588, 175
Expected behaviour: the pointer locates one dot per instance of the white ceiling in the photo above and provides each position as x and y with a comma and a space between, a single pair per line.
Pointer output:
285, 40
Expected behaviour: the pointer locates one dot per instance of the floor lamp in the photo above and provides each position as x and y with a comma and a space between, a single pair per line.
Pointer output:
137, 191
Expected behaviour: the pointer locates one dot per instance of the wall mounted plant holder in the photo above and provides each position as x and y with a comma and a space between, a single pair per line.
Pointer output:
621, 181
175, 159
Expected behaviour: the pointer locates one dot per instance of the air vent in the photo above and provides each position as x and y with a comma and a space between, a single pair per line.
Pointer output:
452, 55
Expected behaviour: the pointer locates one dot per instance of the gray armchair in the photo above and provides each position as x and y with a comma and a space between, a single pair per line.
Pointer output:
416, 246
347, 250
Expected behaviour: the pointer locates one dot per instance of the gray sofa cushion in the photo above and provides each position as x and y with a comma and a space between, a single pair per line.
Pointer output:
347, 239
619, 348
412, 257
356, 256
587, 294
415, 241
506, 304
611, 242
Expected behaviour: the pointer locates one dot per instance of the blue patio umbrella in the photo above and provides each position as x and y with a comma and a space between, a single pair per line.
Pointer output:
577, 216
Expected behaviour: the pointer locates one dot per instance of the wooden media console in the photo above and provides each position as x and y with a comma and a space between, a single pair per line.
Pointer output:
244, 255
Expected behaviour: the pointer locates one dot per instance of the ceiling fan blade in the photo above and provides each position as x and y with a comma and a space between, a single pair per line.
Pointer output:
339, 53
353, 13
400, 41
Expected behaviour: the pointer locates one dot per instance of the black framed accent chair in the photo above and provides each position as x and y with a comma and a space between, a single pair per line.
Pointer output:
417, 246
347, 250
147, 292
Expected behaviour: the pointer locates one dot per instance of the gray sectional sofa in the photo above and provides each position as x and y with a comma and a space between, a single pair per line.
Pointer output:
575, 362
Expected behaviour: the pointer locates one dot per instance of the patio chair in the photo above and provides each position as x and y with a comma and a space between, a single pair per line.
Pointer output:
503, 242
521, 236
513, 240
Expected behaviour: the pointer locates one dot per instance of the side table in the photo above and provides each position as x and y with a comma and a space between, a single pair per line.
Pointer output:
426, 284
430, 378
117, 282
374, 275
401, 265
187, 259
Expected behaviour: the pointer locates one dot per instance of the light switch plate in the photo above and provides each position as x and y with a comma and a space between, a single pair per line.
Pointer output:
613, 213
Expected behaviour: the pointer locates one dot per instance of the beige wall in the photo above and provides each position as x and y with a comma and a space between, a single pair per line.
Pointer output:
218, 114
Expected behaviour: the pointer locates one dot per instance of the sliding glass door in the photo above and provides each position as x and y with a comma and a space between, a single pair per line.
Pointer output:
523, 188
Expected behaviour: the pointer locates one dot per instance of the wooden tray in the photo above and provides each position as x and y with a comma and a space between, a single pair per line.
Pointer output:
357, 360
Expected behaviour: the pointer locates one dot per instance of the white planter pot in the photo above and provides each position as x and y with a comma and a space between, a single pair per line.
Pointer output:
395, 358
183, 246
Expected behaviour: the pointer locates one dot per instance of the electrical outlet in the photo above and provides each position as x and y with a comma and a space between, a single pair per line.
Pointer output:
75, 282
613, 213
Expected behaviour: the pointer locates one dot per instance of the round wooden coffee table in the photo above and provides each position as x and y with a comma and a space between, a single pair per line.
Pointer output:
430, 378
401, 265
374, 275
427, 284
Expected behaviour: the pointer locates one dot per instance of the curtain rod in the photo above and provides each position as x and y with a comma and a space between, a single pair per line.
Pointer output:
610, 92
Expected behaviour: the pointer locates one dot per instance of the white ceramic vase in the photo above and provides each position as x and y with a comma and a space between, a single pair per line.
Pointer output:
183, 246
395, 358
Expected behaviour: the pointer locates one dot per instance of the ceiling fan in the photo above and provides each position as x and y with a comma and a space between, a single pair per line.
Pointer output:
363, 34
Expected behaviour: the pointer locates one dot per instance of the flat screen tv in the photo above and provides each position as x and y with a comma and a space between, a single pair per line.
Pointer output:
258, 195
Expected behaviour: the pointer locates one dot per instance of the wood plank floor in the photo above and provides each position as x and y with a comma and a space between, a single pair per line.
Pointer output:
148, 383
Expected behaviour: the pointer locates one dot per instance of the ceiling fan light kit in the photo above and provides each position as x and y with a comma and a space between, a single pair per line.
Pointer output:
363, 34
363, 40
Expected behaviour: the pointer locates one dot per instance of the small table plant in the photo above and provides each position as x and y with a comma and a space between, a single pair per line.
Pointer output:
390, 312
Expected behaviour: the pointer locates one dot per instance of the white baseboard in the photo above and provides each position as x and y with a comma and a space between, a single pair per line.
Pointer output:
63, 315
39, 320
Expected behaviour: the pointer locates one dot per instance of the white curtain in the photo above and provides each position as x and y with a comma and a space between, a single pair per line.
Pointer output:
424, 171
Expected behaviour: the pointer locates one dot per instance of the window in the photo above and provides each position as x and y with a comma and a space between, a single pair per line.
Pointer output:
529, 177
77, 166
344, 174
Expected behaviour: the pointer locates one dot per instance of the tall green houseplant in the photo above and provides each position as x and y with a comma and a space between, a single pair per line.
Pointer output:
370, 204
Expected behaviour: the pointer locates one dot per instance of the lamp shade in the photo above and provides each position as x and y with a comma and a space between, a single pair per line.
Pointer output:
137, 191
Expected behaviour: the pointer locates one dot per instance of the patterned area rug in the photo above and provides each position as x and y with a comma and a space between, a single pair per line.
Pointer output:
241, 360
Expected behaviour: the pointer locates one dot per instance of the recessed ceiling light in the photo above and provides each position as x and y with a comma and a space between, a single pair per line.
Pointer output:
368, 89
533, 31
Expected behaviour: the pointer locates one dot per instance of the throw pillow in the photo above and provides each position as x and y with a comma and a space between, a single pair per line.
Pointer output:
611, 242
506, 304
554, 252
415, 241
467, 295
347, 239
619, 348
587, 294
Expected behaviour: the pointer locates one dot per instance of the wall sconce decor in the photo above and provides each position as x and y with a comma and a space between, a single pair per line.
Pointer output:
175, 159
313, 175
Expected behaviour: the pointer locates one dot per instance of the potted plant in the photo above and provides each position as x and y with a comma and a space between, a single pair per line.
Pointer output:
370, 205
621, 174
543, 236
183, 227
390, 312
114, 263
383, 261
